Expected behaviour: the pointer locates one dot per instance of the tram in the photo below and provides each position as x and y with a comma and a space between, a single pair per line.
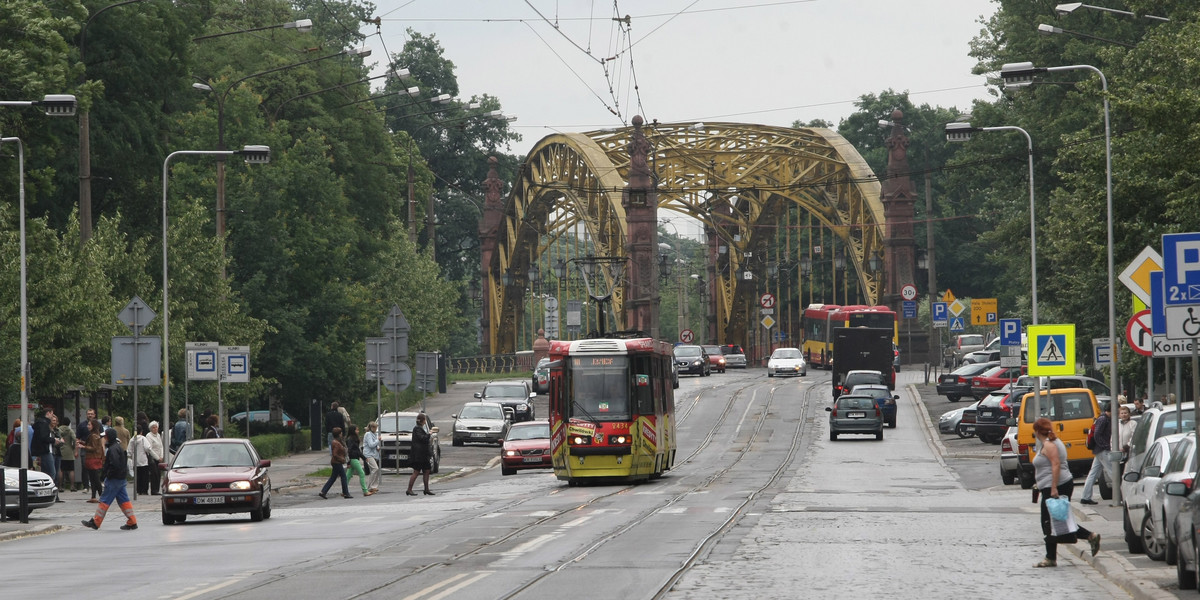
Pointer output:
818, 321
612, 409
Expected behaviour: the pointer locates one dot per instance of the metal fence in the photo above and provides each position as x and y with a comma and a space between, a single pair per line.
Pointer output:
491, 363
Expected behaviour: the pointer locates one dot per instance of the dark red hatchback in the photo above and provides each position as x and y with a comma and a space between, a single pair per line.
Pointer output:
216, 476
527, 446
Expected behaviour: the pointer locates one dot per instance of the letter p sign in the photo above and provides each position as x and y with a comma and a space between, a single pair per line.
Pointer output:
1010, 332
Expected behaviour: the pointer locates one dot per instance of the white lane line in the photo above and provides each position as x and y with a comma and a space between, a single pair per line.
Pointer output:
214, 588
531, 544
450, 590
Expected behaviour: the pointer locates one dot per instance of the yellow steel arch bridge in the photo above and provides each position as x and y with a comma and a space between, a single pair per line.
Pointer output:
737, 179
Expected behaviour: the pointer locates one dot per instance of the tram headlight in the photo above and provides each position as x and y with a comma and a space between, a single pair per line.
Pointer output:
619, 440
581, 440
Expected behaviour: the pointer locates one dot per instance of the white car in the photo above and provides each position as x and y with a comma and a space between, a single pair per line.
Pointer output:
1138, 485
395, 440
1010, 458
787, 361
40, 491
1162, 508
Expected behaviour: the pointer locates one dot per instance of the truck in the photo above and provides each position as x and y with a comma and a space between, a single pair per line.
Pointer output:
862, 349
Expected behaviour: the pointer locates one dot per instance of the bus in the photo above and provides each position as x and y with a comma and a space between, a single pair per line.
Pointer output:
612, 409
818, 321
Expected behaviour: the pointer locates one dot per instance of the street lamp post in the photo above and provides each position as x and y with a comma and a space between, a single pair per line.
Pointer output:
594, 270
253, 155
961, 132
1021, 74
56, 106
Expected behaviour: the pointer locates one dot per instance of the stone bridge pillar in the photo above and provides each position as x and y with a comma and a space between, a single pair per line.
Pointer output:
898, 199
640, 201
489, 224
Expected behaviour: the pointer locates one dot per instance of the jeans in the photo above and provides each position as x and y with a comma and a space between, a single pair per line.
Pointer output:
1099, 464
339, 472
48, 465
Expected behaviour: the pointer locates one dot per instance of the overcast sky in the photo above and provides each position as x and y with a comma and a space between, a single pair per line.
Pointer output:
751, 61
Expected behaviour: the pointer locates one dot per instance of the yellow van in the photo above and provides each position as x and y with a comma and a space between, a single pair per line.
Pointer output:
1072, 411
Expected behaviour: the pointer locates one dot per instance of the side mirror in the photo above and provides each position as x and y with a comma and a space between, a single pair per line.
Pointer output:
478, 394
1132, 477
1176, 488
264, 463
532, 395
433, 430
828, 409
454, 416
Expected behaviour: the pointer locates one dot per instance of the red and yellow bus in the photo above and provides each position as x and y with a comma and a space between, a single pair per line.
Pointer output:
819, 320
612, 409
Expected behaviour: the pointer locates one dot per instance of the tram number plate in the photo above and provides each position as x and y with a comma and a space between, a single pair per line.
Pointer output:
531, 459
856, 415
211, 500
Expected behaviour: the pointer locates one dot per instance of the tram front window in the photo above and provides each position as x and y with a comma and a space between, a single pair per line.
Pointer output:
600, 389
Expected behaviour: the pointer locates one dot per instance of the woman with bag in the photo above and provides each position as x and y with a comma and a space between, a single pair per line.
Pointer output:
93, 459
1055, 482
418, 455
354, 451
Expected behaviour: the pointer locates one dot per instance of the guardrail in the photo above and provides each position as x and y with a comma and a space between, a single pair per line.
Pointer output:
490, 363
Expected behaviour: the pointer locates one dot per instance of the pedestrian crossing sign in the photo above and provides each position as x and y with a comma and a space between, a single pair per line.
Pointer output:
1053, 350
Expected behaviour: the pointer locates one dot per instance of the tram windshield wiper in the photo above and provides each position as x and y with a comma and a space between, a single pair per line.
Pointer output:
585, 411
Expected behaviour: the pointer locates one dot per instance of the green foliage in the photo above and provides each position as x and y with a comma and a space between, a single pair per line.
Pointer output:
273, 445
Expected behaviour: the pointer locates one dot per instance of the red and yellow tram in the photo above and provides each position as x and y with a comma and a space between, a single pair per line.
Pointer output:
612, 409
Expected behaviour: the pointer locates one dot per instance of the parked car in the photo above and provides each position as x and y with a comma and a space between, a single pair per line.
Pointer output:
692, 360
787, 361
957, 383
962, 345
484, 422
716, 360
1071, 411
896, 357
1057, 382
950, 420
992, 351
527, 446
1156, 422
1009, 457
994, 379
1187, 567
966, 426
264, 416
855, 414
516, 395
216, 476
994, 411
859, 377
40, 491
735, 358
885, 399
540, 383
395, 440
1137, 486
1158, 527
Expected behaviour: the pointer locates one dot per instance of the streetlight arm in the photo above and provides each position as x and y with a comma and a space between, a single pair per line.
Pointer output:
301, 26
83, 32
1070, 7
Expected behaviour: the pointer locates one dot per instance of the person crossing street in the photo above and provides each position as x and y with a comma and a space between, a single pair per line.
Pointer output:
116, 471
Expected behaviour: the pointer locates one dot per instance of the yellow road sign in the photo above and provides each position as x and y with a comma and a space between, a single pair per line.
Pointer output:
983, 311
948, 296
1136, 276
1051, 349
768, 322
956, 307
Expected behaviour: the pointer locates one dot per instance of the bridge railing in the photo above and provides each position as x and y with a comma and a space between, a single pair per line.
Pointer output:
491, 363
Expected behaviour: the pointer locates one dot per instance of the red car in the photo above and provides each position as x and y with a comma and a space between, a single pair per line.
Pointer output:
527, 446
994, 379
216, 476
716, 359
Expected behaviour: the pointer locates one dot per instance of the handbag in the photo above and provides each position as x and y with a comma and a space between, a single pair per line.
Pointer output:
93, 463
1059, 508
366, 467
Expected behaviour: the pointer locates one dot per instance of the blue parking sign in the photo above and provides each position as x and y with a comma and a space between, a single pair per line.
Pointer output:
1181, 268
940, 311
1010, 332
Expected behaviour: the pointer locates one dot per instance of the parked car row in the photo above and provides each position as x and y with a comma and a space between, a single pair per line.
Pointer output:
703, 360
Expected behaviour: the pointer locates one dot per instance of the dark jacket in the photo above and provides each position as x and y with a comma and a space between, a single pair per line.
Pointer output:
179, 434
354, 447
1103, 434
333, 419
419, 453
42, 440
115, 466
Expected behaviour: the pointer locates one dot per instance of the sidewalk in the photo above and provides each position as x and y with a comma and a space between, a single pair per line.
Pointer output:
1141, 577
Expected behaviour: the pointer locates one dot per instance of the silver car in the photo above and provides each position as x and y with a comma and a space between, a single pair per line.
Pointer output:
1010, 457
855, 414
787, 361
1158, 526
485, 422
39, 491
1137, 487
735, 358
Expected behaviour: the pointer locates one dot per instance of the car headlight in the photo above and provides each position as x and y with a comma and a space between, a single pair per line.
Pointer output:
240, 486
522, 406
510, 453
177, 487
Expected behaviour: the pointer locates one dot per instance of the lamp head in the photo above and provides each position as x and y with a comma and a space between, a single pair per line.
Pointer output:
301, 26
959, 132
1019, 74
1068, 8
363, 52
204, 87
256, 155
1045, 29
400, 73
58, 105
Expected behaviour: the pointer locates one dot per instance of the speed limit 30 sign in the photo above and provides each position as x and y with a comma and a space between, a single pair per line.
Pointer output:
908, 292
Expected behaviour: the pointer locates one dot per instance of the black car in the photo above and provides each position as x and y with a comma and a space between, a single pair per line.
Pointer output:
993, 412
516, 395
957, 383
692, 360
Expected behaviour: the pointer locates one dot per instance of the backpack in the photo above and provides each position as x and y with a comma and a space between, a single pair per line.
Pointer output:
1091, 436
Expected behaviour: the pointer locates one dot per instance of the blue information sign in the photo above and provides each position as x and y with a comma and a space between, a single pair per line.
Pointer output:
940, 312
1010, 332
910, 309
1158, 314
1181, 268
956, 324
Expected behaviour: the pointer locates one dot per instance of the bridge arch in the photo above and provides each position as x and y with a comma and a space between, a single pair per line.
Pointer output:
738, 180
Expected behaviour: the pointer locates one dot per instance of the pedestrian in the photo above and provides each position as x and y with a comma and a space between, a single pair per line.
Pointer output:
1125, 435
68, 450
82, 430
180, 432
93, 457
115, 473
212, 431
371, 455
333, 420
1053, 478
337, 460
122, 433
12, 456
154, 453
354, 452
1102, 436
418, 455
1139, 406
56, 449
41, 445
346, 420
141, 460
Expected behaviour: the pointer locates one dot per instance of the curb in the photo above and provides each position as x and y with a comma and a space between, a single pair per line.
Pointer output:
31, 532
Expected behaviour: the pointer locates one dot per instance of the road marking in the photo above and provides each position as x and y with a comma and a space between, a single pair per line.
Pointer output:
451, 590
214, 588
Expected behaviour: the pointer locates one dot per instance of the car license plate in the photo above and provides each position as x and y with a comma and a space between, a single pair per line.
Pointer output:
45, 492
532, 459
391, 455
985, 413
211, 500
478, 435
856, 415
